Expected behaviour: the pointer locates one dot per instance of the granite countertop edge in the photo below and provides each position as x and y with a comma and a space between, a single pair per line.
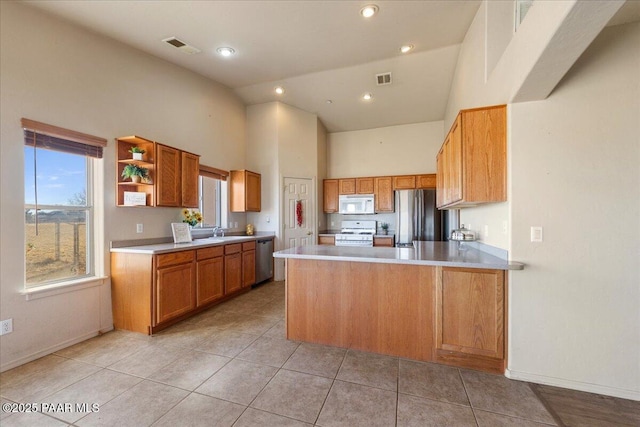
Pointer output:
168, 247
429, 254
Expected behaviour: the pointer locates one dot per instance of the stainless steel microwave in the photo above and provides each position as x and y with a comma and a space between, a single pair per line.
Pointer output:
356, 204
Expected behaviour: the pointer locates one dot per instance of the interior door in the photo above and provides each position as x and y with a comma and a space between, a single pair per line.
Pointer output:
299, 212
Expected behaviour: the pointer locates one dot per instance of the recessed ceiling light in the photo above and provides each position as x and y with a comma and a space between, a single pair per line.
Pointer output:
225, 51
279, 90
369, 10
406, 48
367, 97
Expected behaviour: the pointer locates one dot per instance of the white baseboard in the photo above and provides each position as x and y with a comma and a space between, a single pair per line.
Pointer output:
574, 385
52, 349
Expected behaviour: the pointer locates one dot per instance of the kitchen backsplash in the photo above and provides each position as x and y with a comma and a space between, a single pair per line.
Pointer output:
334, 220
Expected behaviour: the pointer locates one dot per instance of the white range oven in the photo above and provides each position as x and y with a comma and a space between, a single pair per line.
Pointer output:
356, 233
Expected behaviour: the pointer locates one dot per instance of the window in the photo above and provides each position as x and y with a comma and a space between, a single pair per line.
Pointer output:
522, 7
59, 204
213, 190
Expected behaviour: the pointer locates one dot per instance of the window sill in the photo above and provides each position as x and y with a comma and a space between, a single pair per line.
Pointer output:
62, 288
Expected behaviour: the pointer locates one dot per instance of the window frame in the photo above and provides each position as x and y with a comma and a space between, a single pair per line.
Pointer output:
94, 207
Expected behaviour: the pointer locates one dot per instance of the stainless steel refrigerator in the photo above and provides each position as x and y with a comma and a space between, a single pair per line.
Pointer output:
417, 217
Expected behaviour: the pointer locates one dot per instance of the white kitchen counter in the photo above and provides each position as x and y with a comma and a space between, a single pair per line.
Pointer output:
163, 248
426, 253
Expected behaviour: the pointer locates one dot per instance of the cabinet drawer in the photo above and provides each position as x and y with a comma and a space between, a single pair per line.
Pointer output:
326, 240
173, 258
249, 246
207, 253
232, 249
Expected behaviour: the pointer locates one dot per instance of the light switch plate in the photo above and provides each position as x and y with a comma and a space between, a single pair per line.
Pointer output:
536, 234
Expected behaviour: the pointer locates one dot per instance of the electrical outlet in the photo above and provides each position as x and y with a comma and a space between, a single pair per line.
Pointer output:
536, 234
486, 231
268, 219
6, 326
333, 223
139, 228
235, 224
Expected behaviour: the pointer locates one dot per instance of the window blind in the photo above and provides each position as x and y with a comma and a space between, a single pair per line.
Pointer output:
42, 135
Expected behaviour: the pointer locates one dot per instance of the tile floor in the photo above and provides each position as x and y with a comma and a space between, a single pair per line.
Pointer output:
232, 366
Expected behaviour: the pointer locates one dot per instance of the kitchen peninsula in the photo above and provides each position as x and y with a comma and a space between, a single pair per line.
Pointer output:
441, 302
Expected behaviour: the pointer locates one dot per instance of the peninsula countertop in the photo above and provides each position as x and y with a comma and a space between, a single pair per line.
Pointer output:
425, 253
158, 246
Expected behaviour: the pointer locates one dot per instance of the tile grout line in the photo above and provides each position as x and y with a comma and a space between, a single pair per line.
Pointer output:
546, 405
464, 386
397, 392
333, 381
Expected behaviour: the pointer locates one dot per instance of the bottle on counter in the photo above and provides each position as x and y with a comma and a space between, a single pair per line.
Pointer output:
250, 230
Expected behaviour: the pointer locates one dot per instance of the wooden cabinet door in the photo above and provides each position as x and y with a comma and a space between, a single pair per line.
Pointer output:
484, 142
440, 188
405, 182
245, 191
347, 186
455, 162
364, 185
426, 181
253, 195
210, 282
168, 176
470, 312
330, 190
383, 194
383, 241
232, 272
326, 240
190, 175
248, 268
174, 291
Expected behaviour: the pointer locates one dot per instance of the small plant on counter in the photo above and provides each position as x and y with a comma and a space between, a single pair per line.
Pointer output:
191, 217
135, 172
385, 227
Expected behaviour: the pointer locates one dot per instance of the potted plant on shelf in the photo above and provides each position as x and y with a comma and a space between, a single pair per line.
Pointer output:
137, 152
135, 172
385, 228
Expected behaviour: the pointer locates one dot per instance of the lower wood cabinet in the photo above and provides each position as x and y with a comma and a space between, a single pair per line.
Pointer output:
232, 268
151, 292
326, 240
248, 264
383, 241
210, 275
470, 318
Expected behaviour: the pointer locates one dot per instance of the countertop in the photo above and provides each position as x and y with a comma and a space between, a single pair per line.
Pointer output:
425, 253
163, 248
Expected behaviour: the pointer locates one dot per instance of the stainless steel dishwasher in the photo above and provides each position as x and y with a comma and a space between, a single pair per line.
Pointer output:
264, 260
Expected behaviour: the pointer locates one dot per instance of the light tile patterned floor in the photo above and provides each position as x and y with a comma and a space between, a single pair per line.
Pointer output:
232, 366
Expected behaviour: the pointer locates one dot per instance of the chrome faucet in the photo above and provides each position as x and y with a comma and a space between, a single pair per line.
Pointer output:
216, 229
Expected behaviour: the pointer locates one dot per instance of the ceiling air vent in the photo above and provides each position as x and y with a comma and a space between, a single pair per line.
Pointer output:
383, 79
181, 45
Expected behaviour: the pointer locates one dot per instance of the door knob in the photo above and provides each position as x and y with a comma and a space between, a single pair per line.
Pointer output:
309, 233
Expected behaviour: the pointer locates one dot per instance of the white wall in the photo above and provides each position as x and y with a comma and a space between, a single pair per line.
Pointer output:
282, 142
393, 150
57, 73
575, 309
322, 174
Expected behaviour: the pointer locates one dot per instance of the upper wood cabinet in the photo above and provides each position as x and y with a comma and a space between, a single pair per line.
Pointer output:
472, 161
330, 192
364, 185
405, 182
426, 181
476, 334
383, 194
172, 174
347, 186
125, 157
190, 175
168, 176
245, 191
